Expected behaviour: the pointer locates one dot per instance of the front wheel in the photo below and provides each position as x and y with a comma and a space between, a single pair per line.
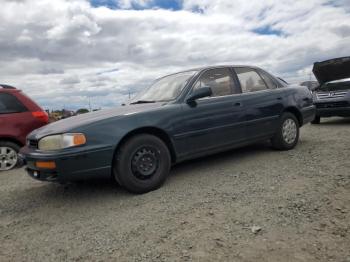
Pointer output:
287, 135
142, 163
8, 155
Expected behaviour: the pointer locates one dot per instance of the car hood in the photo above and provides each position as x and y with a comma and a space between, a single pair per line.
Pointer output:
331, 70
68, 124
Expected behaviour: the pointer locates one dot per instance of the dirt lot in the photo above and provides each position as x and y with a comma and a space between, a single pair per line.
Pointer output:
298, 201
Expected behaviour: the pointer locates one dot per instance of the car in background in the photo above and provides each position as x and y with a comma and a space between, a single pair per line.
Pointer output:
332, 97
312, 85
19, 115
179, 117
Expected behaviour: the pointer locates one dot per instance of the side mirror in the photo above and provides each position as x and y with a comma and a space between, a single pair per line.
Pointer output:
199, 93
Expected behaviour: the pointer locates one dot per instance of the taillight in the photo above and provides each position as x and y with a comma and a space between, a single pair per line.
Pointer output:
41, 115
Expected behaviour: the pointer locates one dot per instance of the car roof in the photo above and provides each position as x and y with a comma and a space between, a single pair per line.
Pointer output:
8, 89
216, 66
198, 69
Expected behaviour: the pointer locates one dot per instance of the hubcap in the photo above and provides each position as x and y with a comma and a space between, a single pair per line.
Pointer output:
145, 162
289, 131
8, 158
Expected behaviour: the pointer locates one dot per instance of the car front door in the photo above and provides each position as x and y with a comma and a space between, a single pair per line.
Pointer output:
214, 122
263, 101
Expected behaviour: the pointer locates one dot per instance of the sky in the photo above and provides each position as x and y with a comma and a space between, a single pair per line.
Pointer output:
65, 53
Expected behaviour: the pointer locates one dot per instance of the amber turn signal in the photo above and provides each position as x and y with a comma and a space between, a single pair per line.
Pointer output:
79, 139
45, 164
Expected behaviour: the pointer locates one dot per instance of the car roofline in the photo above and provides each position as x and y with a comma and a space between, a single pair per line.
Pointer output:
7, 86
219, 66
198, 69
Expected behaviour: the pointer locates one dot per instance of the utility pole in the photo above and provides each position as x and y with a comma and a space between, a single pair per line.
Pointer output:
90, 105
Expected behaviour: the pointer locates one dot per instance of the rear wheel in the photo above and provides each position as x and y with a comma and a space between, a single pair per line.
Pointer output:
8, 155
142, 163
287, 135
316, 120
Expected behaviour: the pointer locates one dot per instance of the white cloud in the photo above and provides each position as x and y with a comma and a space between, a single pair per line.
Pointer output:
70, 80
63, 52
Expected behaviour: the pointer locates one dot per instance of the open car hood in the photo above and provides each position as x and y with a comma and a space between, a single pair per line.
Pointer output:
333, 69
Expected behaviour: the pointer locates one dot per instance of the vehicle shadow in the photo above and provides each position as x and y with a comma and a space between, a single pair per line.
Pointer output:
212, 161
335, 121
108, 186
89, 192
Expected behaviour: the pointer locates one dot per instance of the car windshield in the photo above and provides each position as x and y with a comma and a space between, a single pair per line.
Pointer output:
165, 89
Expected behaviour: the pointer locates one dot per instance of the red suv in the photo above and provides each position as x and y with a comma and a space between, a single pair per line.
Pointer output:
19, 115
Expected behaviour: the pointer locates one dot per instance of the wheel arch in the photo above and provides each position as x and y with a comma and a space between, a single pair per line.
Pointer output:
295, 111
161, 134
11, 139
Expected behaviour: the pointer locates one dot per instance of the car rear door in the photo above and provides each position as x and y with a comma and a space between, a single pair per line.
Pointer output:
263, 101
213, 122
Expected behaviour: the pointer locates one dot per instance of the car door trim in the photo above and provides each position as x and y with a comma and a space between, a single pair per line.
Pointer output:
206, 130
253, 121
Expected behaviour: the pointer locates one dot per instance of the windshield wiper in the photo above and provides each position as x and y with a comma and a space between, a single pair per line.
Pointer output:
142, 102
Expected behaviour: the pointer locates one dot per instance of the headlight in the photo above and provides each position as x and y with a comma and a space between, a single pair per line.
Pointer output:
61, 141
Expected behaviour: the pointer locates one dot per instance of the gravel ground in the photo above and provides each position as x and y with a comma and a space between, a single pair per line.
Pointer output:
249, 204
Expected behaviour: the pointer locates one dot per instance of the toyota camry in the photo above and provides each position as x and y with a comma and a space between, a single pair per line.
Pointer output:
179, 117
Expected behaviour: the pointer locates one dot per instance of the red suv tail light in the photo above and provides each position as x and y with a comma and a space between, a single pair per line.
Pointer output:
41, 115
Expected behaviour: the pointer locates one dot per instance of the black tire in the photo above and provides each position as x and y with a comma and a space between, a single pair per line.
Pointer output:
278, 141
142, 163
13, 146
317, 120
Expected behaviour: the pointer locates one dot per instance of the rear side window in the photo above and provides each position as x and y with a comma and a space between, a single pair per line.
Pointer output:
10, 104
250, 80
219, 80
270, 83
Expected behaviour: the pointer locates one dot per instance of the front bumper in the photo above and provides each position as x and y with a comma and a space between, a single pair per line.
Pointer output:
332, 104
327, 112
70, 164
332, 108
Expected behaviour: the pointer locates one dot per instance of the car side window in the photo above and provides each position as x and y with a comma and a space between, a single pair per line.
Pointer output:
270, 83
250, 80
219, 80
10, 104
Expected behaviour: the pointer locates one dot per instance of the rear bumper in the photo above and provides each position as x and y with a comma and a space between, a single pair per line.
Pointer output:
72, 164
